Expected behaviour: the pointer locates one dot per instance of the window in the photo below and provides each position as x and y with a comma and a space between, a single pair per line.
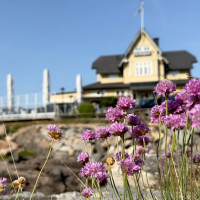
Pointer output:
173, 73
120, 92
101, 92
146, 48
113, 76
142, 51
144, 95
143, 68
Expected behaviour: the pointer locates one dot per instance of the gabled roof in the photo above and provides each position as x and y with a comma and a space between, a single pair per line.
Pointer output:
139, 34
175, 60
179, 60
108, 64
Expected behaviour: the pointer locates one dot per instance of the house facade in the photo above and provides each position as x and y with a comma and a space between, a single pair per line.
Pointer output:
134, 73
138, 70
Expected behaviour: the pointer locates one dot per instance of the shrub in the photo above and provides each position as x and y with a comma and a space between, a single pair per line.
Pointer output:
86, 108
109, 101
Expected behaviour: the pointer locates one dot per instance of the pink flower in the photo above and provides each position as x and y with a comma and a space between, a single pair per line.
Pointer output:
3, 185
128, 166
139, 130
175, 122
196, 158
114, 114
126, 103
117, 129
165, 87
87, 192
132, 120
102, 132
84, 157
194, 116
88, 135
155, 114
95, 169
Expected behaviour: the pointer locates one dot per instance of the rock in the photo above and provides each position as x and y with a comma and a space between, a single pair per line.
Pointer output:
5, 149
2, 130
60, 155
57, 145
71, 152
65, 148
56, 175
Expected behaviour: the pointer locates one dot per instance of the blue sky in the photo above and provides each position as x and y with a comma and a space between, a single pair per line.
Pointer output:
66, 36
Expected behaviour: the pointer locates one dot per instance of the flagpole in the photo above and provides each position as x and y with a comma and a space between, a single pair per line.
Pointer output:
142, 14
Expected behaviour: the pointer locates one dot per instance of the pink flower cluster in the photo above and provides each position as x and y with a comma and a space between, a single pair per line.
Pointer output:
194, 115
88, 135
175, 122
139, 130
83, 157
87, 192
165, 87
129, 166
126, 103
132, 120
118, 129
94, 169
196, 158
114, 114
186, 99
102, 133
3, 185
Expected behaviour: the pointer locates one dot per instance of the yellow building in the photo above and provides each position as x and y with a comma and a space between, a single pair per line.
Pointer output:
136, 72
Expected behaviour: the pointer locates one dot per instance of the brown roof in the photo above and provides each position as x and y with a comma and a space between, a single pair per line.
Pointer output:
108, 64
179, 60
99, 85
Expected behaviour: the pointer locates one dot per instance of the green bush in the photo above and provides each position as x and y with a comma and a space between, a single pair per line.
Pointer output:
109, 101
86, 108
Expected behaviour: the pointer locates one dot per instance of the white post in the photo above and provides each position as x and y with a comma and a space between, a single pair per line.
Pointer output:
1, 102
36, 102
46, 88
10, 93
78, 89
26, 102
18, 101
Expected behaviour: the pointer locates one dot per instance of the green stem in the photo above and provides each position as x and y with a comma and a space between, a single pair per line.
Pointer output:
98, 184
158, 164
91, 150
166, 135
113, 182
17, 194
146, 171
191, 188
136, 187
41, 170
108, 147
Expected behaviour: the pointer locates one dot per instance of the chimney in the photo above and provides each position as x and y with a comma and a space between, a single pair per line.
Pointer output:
156, 40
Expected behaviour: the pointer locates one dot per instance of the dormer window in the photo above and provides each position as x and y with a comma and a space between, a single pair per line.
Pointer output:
142, 51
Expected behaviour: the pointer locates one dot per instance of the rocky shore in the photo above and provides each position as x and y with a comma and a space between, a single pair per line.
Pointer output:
30, 146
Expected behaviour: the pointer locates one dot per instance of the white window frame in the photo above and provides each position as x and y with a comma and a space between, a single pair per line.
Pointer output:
143, 68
